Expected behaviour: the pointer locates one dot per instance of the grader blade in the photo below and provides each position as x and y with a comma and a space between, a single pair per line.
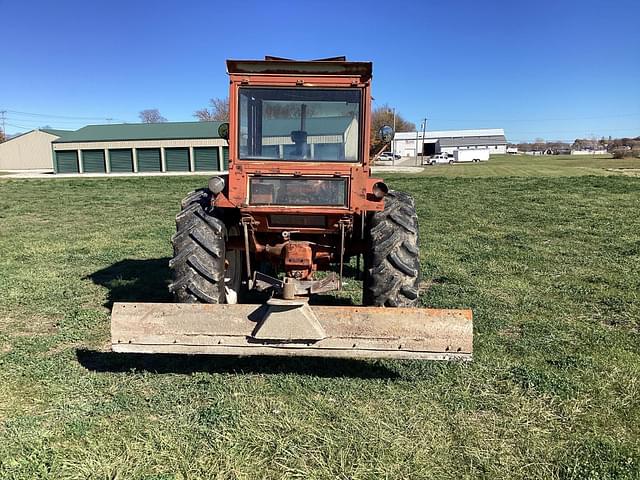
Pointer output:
294, 330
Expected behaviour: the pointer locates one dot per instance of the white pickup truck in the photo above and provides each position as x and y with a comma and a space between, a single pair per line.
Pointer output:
471, 155
435, 159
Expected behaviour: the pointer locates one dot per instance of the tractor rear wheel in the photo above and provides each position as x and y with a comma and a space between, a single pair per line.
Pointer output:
392, 259
198, 263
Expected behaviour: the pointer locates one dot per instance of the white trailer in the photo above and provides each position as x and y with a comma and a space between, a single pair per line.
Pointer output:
471, 155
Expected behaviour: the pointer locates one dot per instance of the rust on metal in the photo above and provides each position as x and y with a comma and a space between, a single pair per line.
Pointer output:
287, 67
298, 260
263, 282
350, 332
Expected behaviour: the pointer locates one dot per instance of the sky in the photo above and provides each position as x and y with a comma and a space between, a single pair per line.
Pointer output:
551, 69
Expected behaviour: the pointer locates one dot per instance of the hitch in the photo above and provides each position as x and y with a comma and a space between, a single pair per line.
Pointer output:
262, 283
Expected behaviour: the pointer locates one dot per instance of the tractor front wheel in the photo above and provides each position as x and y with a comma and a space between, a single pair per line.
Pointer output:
392, 259
198, 263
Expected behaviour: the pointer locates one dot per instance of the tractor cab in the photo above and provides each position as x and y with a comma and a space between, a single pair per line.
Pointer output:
299, 139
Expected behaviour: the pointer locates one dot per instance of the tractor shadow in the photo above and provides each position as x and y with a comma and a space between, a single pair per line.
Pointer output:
148, 281
111, 362
135, 281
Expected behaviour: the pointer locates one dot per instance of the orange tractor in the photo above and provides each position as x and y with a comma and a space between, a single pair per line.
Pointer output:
298, 200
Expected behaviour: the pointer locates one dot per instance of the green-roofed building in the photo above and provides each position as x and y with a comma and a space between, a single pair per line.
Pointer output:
172, 147
141, 147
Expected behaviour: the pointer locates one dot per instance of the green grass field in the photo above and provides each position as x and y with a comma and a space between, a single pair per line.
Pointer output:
549, 262
544, 166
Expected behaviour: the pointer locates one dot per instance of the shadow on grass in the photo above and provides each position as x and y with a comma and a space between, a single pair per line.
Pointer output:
135, 281
147, 281
186, 364
328, 299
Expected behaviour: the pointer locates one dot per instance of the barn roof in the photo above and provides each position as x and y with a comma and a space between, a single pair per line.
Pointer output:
479, 132
142, 131
476, 140
55, 131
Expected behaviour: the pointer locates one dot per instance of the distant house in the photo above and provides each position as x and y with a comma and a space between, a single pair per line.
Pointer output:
30, 150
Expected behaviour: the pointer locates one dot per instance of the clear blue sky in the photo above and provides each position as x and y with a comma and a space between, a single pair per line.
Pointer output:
555, 69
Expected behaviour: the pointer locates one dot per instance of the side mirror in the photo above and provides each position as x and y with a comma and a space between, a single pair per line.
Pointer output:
386, 133
223, 130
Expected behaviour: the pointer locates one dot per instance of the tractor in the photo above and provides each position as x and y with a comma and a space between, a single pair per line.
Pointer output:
298, 203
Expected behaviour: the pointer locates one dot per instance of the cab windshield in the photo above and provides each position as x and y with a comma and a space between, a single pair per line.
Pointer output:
299, 124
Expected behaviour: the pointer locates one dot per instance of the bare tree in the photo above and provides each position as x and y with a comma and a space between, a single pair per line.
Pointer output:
383, 115
219, 111
151, 115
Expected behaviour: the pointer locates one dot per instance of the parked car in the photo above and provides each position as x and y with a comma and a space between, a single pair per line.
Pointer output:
385, 158
436, 159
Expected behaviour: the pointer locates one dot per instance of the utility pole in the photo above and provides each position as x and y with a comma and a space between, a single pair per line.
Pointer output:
424, 127
393, 145
394, 119
416, 152
4, 132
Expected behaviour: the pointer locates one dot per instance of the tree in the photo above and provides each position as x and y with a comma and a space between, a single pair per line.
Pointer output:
219, 111
151, 115
3, 137
383, 115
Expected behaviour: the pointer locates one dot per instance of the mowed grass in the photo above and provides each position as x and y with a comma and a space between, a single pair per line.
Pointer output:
550, 266
538, 166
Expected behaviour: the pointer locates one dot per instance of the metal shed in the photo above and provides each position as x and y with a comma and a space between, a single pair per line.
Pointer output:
141, 147
30, 150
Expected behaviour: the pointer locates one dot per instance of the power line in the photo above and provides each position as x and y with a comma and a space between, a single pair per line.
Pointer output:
553, 119
37, 121
539, 132
43, 121
47, 115
19, 126
500, 120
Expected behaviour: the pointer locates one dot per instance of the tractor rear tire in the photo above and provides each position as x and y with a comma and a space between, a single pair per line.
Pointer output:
198, 265
392, 259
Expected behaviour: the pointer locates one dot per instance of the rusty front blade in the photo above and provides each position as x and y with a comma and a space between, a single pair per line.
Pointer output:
351, 332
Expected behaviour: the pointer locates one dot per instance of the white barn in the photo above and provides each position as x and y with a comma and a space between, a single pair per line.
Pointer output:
447, 141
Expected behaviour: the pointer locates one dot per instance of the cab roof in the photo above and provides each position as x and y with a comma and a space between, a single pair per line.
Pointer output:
279, 66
